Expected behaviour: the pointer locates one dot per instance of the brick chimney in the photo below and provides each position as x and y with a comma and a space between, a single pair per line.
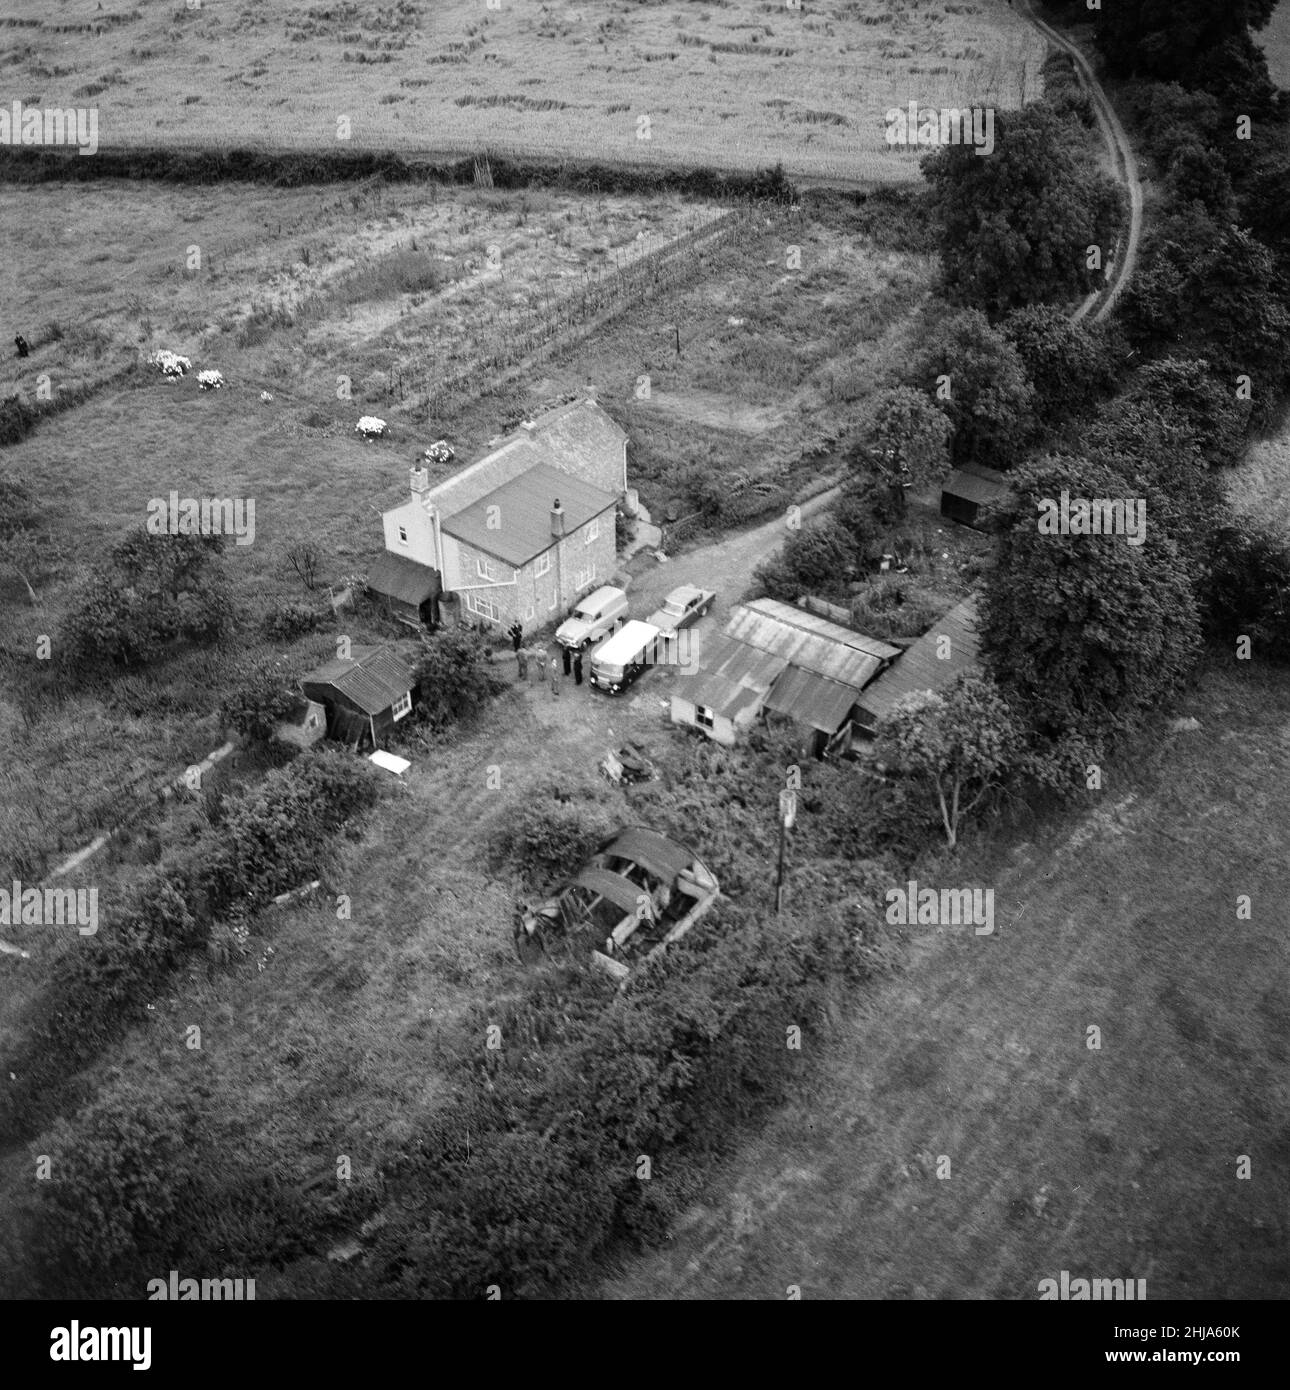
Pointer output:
420, 480
557, 518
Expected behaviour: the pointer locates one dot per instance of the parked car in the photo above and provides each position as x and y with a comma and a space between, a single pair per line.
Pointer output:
619, 659
680, 608
592, 618
638, 893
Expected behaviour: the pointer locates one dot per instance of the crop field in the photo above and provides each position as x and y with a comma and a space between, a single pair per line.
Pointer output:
731, 84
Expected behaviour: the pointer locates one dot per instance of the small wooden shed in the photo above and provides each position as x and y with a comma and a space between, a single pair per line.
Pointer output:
365, 694
974, 496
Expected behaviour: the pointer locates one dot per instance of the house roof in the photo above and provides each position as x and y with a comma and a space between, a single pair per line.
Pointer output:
580, 428
398, 577
920, 668
983, 486
812, 700
733, 676
373, 678
810, 642
523, 513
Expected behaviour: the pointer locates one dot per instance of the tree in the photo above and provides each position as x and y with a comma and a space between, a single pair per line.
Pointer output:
1067, 363
976, 377
304, 558
1216, 290
1197, 173
1016, 227
907, 443
455, 677
1085, 634
818, 557
155, 590
1198, 43
962, 744
1184, 391
261, 699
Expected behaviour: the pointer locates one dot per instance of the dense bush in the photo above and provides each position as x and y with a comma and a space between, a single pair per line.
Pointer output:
260, 700
547, 838
156, 591
455, 677
814, 559
287, 621
1249, 592
275, 836
103, 1221
1067, 363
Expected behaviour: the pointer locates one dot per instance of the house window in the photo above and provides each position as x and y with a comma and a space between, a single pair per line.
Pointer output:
484, 607
403, 535
529, 613
587, 577
703, 716
592, 531
402, 706
482, 568
542, 565
555, 599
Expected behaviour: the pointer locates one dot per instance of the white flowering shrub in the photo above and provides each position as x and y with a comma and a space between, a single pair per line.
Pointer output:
171, 364
210, 380
370, 427
439, 452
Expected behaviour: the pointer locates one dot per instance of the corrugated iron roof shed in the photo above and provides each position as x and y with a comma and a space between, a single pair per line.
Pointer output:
733, 677
813, 643
524, 512
811, 699
983, 486
398, 577
373, 678
920, 668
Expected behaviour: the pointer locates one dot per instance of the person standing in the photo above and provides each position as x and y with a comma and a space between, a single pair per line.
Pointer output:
564, 652
555, 678
577, 668
522, 661
516, 634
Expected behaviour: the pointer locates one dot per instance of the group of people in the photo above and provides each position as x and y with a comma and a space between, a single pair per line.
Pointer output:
541, 663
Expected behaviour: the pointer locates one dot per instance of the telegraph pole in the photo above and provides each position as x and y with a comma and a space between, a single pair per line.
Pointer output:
787, 815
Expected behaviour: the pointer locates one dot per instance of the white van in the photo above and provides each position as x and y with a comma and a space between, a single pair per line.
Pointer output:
619, 659
600, 612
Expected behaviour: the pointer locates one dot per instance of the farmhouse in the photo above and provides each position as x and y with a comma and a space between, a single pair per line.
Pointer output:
781, 663
946, 650
365, 695
518, 535
974, 496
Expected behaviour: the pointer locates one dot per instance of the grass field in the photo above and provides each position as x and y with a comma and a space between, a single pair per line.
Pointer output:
1116, 1163
1275, 42
734, 84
